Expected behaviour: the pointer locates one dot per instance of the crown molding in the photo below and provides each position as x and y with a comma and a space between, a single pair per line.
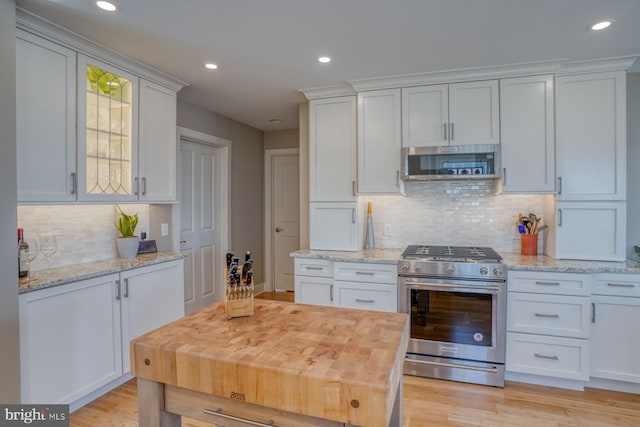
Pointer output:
328, 91
619, 63
558, 67
458, 75
39, 26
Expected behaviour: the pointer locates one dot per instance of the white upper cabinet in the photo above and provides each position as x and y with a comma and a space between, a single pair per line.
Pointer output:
473, 113
107, 132
454, 114
157, 143
379, 141
590, 230
45, 120
332, 149
591, 136
527, 134
425, 116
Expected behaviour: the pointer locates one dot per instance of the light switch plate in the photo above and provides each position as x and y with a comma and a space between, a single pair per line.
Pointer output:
165, 230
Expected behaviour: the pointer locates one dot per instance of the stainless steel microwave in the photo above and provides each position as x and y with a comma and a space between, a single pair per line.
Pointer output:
450, 162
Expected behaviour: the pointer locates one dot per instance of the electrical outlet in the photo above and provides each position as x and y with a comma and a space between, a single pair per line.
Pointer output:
165, 230
386, 230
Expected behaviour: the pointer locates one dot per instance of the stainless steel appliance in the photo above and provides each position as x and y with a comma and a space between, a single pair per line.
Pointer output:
450, 162
456, 299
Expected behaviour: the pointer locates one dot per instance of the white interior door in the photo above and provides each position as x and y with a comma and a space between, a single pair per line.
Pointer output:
285, 217
199, 223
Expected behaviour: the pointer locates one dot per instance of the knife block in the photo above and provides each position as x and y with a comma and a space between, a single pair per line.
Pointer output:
237, 304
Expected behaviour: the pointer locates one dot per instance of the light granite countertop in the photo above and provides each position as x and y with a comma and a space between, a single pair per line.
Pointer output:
376, 256
42, 279
513, 260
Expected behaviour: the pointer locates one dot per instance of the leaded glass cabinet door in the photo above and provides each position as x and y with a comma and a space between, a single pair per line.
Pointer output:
107, 132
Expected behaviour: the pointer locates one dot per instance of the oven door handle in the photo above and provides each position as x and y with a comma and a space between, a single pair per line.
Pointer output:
428, 286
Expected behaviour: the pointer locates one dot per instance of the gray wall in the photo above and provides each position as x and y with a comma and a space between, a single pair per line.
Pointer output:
9, 350
247, 176
281, 139
633, 160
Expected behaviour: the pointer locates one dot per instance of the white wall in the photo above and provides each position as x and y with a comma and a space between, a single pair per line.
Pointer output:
9, 347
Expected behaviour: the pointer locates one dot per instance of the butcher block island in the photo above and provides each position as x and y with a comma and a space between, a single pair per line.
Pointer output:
288, 365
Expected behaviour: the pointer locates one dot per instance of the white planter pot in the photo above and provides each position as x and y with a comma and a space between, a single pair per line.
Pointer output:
127, 246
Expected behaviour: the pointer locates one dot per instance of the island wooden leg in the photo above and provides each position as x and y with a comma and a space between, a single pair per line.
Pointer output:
151, 411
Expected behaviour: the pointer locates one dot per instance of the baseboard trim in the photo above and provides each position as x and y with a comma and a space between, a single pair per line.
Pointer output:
99, 392
258, 289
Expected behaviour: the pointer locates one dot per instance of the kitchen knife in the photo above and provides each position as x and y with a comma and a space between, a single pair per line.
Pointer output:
230, 255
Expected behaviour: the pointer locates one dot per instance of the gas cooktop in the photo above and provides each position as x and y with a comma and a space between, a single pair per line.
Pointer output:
451, 253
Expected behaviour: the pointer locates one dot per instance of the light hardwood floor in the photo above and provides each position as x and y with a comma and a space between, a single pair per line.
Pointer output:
429, 402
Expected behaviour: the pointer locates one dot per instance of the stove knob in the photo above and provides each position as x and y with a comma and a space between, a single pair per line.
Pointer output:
484, 271
405, 267
449, 269
498, 271
418, 268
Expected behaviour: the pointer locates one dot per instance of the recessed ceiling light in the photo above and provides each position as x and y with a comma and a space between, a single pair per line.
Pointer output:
324, 59
601, 25
108, 6
211, 66
276, 121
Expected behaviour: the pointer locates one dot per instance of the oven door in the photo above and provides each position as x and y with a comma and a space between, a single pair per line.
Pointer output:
455, 318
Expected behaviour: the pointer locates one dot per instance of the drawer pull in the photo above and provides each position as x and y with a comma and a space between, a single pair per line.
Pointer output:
593, 312
544, 356
368, 301
219, 413
547, 283
331, 292
621, 285
553, 316
314, 268
365, 273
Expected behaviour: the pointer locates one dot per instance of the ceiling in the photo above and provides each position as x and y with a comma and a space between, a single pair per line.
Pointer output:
267, 49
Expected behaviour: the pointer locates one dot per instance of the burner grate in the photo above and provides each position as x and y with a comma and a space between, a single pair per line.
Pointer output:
470, 253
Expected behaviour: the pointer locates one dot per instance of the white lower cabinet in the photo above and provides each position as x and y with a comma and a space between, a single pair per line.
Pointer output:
74, 338
566, 358
615, 332
548, 324
151, 297
313, 282
367, 286
70, 341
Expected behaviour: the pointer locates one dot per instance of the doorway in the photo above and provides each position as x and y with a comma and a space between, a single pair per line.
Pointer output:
203, 196
282, 217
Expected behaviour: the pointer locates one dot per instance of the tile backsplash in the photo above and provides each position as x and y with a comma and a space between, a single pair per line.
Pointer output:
450, 213
84, 232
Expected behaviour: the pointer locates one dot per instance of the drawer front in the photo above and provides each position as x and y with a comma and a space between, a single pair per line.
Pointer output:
313, 267
549, 283
623, 285
367, 296
550, 356
366, 272
558, 315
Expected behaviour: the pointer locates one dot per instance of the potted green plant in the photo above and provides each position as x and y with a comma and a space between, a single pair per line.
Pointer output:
636, 249
127, 242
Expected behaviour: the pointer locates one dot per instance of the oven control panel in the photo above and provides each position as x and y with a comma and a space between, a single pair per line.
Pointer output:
472, 270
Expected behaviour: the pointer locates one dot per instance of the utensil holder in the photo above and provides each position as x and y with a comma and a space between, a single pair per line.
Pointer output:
238, 304
529, 244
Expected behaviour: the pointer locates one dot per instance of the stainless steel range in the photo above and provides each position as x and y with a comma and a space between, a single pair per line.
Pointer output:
456, 299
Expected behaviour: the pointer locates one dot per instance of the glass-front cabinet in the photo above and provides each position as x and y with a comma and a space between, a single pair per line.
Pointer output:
107, 132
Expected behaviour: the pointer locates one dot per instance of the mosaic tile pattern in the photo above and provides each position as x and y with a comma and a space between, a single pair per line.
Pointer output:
84, 232
456, 213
